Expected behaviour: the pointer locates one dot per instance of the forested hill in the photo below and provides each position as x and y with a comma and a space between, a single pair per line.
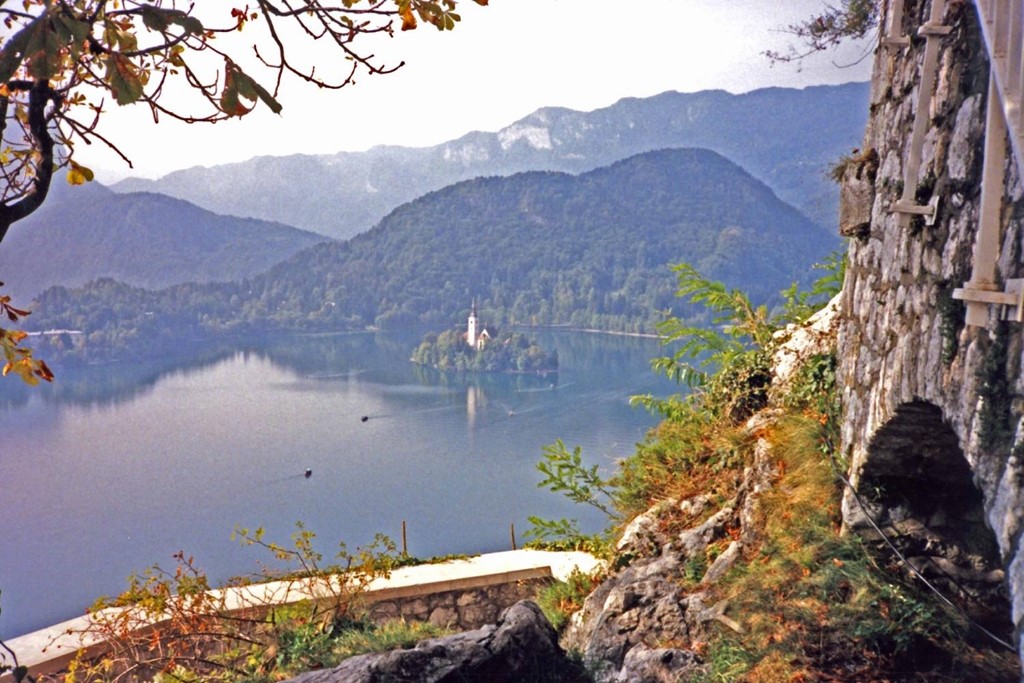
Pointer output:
590, 250
785, 137
535, 248
148, 240
538, 248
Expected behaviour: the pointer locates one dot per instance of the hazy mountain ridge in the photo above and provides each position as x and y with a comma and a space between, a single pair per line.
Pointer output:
146, 239
541, 247
784, 137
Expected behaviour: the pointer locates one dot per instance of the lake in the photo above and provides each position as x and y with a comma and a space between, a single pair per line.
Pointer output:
115, 468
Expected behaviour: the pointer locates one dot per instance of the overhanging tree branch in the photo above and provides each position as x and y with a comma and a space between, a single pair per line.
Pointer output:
82, 54
40, 95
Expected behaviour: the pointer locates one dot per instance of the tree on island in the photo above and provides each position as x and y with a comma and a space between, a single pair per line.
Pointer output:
504, 352
61, 62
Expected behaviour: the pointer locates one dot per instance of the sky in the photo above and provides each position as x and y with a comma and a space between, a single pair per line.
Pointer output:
501, 63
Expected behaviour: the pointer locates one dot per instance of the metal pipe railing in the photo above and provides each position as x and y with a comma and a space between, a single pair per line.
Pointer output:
1002, 25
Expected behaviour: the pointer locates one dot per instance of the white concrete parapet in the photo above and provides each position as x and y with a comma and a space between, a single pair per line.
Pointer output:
51, 649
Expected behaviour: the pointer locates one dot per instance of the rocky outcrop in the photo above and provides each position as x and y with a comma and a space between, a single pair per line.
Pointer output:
641, 625
933, 408
522, 646
625, 623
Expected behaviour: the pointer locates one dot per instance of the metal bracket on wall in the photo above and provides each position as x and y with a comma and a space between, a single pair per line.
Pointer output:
932, 30
894, 37
978, 301
981, 291
1002, 26
930, 210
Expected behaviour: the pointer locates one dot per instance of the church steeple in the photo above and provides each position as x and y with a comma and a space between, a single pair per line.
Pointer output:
471, 326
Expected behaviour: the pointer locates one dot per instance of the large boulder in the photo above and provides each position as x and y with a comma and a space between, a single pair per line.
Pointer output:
522, 646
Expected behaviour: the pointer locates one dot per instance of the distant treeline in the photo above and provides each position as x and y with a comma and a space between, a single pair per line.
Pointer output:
590, 251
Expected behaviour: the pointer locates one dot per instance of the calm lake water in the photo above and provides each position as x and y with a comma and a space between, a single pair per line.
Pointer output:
116, 468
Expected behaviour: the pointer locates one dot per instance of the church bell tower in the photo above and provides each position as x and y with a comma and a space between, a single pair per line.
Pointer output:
471, 326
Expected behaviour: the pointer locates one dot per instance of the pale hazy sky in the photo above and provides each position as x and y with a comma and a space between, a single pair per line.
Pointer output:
501, 63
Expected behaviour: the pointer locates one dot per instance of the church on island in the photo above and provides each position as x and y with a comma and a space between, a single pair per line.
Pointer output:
477, 349
475, 337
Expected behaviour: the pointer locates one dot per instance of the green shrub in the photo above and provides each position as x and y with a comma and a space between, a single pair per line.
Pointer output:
561, 599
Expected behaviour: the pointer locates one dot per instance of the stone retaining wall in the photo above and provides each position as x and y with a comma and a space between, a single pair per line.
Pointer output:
464, 609
933, 407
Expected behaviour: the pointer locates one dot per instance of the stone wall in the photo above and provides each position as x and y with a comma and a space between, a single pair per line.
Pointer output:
933, 408
463, 609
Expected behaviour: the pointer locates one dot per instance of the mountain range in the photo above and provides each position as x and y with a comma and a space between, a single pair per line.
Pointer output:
147, 239
590, 250
784, 137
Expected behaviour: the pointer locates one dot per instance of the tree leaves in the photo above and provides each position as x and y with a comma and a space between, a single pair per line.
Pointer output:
13, 52
238, 84
38, 47
79, 175
123, 78
160, 19
441, 15
19, 359
72, 32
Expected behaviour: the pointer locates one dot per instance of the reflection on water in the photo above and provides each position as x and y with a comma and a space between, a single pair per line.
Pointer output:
117, 467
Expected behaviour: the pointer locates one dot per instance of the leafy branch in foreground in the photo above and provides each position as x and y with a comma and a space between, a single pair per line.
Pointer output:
173, 625
736, 327
799, 305
852, 19
62, 62
726, 360
19, 359
565, 473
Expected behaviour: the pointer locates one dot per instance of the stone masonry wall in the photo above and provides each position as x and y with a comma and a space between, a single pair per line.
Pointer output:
463, 609
923, 392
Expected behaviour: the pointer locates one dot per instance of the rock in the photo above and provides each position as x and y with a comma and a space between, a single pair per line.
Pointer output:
695, 540
640, 604
723, 562
444, 617
522, 646
693, 507
797, 343
857, 195
642, 537
661, 665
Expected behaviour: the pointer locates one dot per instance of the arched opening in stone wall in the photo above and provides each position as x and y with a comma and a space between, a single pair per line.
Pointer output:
919, 489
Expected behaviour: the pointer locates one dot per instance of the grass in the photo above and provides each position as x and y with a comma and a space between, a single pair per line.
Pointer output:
561, 599
694, 453
302, 645
818, 605
392, 635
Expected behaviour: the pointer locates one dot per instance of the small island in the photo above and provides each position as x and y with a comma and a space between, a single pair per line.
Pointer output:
477, 350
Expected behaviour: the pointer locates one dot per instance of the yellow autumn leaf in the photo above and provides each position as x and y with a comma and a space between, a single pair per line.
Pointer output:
79, 175
22, 368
